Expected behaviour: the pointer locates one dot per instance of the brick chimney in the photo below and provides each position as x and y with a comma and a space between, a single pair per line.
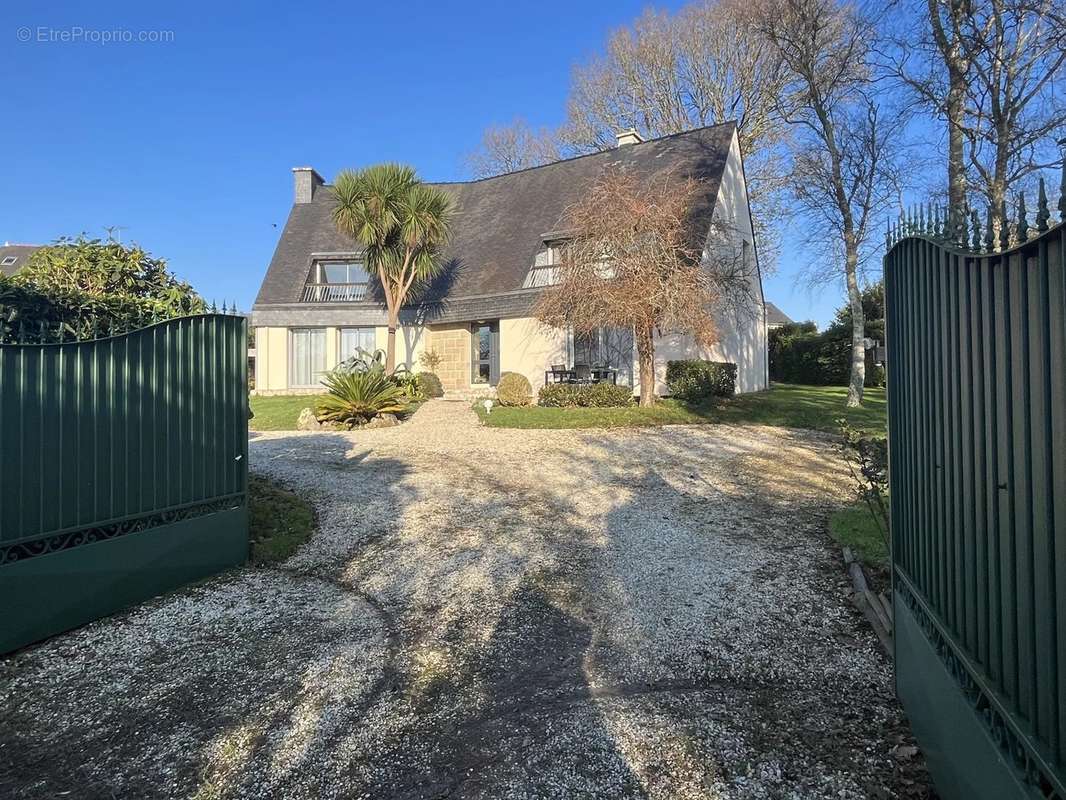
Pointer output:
306, 182
629, 136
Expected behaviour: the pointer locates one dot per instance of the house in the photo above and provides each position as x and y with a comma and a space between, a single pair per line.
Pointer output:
775, 317
13, 257
317, 302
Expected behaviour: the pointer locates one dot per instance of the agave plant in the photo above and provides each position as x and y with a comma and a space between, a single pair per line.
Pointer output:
355, 397
363, 361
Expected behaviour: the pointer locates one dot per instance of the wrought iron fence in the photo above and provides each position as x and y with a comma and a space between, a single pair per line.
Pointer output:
136, 443
976, 335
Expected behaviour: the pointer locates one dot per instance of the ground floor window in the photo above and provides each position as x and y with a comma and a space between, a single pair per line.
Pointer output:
604, 347
354, 339
485, 354
307, 356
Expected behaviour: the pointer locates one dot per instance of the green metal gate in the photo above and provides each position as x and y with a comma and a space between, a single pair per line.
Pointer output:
977, 437
123, 470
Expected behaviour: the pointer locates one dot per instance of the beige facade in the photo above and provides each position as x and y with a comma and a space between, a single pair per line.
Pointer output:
526, 346
274, 348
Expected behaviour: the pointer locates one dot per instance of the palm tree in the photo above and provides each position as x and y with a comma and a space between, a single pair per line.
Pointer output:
402, 223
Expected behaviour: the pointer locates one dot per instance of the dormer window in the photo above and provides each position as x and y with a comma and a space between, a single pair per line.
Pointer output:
545, 270
337, 281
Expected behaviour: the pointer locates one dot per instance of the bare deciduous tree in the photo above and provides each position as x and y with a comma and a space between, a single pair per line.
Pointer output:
670, 73
1017, 55
992, 70
842, 161
633, 262
506, 148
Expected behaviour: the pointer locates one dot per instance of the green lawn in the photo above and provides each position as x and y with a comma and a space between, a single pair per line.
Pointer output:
279, 413
784, 405
854, 527
278, 521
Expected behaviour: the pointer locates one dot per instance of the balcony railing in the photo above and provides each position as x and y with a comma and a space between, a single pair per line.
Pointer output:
334, 292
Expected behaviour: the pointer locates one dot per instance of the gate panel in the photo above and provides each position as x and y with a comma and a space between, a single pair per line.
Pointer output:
977, 433
123, 467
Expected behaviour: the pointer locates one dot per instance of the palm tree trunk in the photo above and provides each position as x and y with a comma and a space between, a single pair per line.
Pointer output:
646, 364
390, 346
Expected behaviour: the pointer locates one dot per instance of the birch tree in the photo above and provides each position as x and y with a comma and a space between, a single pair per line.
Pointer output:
841, 161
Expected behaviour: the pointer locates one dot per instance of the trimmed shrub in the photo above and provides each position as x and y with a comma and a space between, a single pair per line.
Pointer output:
513, 389
696, 379
429, 384
595, 395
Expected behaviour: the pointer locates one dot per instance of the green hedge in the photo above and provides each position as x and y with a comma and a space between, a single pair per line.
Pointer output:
798, 354
696, 379
596, 395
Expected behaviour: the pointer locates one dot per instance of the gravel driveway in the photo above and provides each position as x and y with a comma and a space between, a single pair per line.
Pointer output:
489, 613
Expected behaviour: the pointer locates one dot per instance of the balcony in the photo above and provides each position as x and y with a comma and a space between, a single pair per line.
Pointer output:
334, 293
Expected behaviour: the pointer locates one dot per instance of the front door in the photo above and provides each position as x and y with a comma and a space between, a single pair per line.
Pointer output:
485, 358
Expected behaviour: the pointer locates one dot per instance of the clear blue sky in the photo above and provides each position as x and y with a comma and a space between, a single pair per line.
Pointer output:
188, 144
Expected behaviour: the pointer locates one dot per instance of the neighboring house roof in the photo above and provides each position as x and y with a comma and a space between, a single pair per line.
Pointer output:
775, 316
13, 257
501, 223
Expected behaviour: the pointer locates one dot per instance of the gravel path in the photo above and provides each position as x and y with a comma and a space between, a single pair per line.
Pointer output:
489, 613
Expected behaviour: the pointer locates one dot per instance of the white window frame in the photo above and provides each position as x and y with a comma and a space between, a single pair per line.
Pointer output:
293, 384
8, 261
341, 356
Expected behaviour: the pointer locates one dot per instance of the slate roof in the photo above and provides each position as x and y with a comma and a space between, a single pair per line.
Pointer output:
21, 254
500, 224
775, 316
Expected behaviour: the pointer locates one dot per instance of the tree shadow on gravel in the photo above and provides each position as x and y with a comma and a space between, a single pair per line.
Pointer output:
504, 738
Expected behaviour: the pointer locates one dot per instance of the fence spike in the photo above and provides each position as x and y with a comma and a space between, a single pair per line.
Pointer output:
990, 237
962, 234
936, 220
1023, 223
1042, 213
1062, 193
975, 226
214, 308
1004, 226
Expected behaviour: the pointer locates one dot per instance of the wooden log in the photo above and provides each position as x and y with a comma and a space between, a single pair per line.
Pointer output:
883, 636
879, 610
887, 605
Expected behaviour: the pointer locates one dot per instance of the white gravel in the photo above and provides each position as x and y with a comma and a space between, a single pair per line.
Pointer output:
492, 613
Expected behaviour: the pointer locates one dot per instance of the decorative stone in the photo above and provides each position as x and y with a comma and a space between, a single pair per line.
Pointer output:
383, 421
307, 421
